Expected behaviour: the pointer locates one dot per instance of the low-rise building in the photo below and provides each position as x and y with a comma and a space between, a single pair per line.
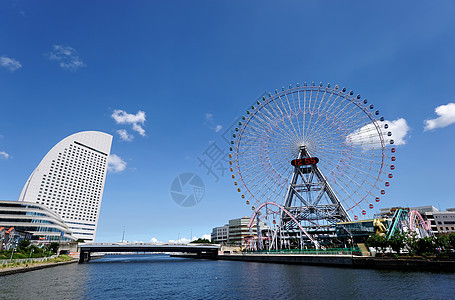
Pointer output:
44, 225
220, 234
239, 231
444, 221
236, 232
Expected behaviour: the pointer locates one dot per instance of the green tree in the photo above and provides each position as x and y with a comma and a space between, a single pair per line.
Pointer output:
24, 244
397, 242
53, 247
425, 245
443, 241
36, 251
378, 242
452, 240
201, 241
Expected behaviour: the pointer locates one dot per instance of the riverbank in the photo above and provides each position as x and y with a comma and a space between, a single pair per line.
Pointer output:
26, 267
346, 261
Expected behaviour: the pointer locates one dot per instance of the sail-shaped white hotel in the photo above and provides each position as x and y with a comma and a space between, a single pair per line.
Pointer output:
70, 181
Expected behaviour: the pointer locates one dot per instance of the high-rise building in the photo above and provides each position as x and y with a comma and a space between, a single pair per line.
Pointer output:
70, 181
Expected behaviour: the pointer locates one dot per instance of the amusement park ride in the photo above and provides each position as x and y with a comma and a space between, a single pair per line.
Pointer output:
306, 158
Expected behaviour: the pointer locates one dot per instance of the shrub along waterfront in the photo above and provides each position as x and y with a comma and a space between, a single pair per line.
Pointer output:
26, 250
29, 262
442, 246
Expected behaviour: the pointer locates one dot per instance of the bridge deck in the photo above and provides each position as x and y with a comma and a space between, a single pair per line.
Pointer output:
201, 250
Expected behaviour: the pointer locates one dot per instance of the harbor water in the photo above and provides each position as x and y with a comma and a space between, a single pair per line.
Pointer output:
164, 277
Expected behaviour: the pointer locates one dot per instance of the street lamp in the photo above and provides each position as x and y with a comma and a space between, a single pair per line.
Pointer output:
12, 252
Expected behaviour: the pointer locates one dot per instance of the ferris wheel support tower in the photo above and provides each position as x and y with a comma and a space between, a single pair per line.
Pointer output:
303, 196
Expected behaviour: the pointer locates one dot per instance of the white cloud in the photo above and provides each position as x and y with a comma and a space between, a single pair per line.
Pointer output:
207, 237
116, 164
210, 122
4, 155
9, 63
138, 129
185, 240
446, 117
124, 135
367, 136
122, 117
181, 241
67, 57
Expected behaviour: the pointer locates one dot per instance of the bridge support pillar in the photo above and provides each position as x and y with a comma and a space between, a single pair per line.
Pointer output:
84, 257
208, 254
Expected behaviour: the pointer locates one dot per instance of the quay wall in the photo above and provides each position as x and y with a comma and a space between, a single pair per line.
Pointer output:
345, 261
328, 260
409, 264
15, 270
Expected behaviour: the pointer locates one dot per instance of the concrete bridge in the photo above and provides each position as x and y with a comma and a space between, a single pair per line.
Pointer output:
201, 251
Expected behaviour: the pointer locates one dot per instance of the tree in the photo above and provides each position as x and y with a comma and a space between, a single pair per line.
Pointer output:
201, 241
378, 242
425, 245
24, 244
452, 240
397, 242
52, 247
36, 250
442, 241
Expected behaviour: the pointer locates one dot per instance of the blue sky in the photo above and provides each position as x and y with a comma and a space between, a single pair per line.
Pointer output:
193, 67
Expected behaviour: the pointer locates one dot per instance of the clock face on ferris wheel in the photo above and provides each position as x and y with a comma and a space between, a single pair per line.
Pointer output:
344, 135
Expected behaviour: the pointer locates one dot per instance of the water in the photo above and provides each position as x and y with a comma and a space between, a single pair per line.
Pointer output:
164, 277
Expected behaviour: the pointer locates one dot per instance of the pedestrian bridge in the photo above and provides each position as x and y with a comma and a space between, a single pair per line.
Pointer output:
206, 251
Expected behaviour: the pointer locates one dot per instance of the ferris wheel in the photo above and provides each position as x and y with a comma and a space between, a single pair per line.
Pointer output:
320, 153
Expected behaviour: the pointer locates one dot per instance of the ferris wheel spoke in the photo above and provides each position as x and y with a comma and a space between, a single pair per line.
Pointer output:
338, 116
264, 119
311, 121
318, 109
358, 186
274, 104
296, 109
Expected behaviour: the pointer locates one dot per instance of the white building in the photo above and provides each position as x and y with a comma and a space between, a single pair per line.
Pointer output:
442, 221
239, 231
45, 225
70, 181
220, 234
